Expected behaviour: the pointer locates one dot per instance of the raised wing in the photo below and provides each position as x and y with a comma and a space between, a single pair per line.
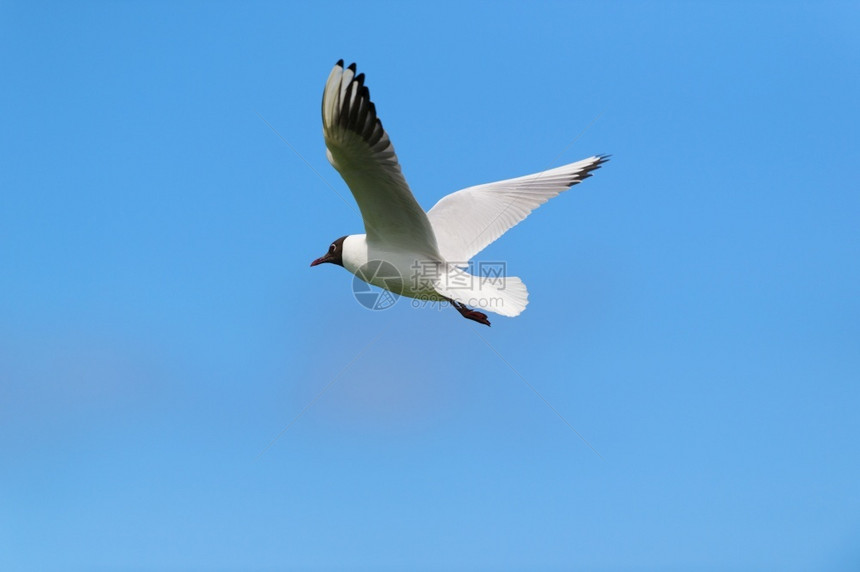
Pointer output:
359, 148
467, 221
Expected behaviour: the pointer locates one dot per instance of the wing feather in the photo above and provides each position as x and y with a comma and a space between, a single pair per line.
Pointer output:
468, 221
359, 148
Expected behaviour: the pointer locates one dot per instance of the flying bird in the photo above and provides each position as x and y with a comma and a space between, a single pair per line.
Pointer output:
425, 255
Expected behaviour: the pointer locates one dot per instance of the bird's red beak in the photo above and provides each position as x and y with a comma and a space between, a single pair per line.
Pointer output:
320, 260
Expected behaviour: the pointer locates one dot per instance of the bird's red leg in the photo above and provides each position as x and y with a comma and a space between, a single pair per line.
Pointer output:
475, 315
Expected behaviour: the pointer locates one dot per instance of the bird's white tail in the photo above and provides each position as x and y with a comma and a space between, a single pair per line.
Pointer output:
504, 295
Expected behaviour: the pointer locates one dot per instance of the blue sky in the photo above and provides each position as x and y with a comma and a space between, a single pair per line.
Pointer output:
695, 306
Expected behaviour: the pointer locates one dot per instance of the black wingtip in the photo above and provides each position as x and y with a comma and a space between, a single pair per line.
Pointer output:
587, 171
601, 159
339, 63
351, 67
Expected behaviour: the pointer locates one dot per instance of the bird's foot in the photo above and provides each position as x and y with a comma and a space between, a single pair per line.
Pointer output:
474, 315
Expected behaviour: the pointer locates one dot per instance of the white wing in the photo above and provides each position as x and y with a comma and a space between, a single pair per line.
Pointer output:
360, 150
467, 221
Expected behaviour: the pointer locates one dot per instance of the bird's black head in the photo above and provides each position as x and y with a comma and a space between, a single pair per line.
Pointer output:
334, 254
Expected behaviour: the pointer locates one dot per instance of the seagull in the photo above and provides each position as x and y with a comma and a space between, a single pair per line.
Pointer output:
425, 255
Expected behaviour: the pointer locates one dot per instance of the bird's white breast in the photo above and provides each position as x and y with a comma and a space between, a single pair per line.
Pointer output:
354, 252
399, 271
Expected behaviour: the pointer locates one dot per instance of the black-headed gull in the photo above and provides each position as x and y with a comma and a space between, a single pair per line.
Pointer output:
416, 254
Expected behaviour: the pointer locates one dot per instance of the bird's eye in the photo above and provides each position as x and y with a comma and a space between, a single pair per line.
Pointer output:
332, 247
